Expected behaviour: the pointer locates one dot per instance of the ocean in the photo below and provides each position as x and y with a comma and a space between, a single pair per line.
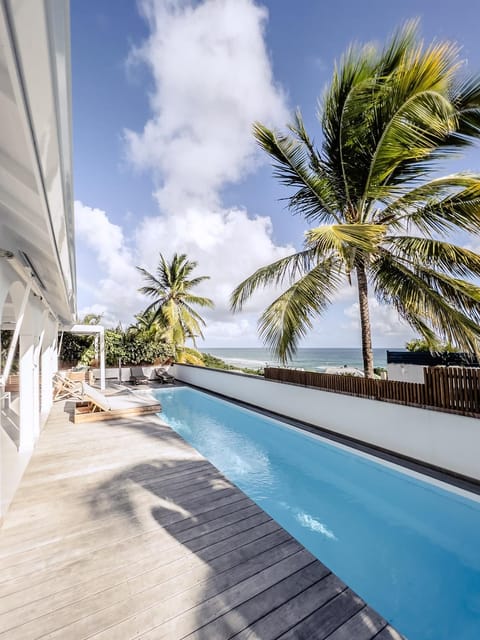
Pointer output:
316, 359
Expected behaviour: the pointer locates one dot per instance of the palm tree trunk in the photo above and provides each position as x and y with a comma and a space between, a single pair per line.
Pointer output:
365, 320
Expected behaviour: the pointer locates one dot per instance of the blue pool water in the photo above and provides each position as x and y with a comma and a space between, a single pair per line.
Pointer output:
410, 548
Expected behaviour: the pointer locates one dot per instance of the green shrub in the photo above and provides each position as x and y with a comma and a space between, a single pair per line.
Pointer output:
73, 347
131, 349
217, 363
422, 346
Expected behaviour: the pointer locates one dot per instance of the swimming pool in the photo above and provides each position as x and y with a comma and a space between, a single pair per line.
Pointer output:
409, 547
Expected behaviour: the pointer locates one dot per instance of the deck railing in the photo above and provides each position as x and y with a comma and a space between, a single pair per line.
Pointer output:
453, 389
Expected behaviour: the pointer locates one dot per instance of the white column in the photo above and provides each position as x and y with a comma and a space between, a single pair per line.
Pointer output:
46, 395
37, 341
102, 360
54, 353
48, 367
5, 281
28, 416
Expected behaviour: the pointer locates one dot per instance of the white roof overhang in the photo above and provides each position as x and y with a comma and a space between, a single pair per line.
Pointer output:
36, 193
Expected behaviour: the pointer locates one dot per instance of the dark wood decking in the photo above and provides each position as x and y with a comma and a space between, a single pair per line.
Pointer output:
121, 530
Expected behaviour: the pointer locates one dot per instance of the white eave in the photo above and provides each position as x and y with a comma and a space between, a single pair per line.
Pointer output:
36, 192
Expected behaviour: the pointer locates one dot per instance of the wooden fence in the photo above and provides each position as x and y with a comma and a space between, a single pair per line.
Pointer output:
453, 389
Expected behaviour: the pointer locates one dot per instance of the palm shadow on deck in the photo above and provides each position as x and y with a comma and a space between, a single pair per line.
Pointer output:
220, 566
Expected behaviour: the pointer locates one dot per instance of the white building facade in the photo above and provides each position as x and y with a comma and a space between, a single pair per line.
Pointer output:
37, 257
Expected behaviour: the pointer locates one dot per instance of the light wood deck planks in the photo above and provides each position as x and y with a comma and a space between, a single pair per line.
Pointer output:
121, 530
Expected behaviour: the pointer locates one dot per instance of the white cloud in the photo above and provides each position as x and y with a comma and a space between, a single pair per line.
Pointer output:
347, 290
108, 318
385, 322
104, 237
227, 244
212, 79
113, 284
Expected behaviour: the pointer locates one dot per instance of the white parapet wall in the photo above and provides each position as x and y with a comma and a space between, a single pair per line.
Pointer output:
112, 373
405, 372
448, 441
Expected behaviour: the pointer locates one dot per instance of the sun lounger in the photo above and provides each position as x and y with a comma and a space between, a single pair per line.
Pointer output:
64, 388
95, 406
163, 376
137, 376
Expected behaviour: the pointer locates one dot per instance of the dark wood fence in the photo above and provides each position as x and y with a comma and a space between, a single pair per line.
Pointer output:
453, 389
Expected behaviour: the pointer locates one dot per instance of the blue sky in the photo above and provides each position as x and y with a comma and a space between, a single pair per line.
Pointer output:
164, 93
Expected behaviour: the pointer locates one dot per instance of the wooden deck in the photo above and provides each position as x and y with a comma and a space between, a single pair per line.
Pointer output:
121, 530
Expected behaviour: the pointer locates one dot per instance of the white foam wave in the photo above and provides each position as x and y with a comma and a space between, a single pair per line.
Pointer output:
241, 362
306, 520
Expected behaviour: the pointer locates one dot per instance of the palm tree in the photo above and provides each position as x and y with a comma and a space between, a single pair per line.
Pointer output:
171, 310
92, 318
382, 218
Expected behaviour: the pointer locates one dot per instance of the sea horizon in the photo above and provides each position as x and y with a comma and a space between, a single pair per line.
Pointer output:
314, 358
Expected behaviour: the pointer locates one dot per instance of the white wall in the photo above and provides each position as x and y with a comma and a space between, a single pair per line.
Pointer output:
21, 421
48, 366
405, 372
445, 440
111, 373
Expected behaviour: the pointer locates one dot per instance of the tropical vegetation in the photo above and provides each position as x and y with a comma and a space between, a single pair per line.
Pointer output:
381, 216
130, 347
417, 345
137, 345
159, 333
214, 362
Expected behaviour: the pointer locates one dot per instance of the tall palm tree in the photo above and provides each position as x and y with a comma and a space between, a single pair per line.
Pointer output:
172, 303
387, 118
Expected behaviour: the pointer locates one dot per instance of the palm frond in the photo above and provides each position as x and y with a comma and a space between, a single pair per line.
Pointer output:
414, 132
336, 238
288, 319
429, 192
315, 198
435, 254
186, 308
201, 301
460, 210
420, 298
465, 96
190, 323
297, 127
149, 277
194, 282
285, 269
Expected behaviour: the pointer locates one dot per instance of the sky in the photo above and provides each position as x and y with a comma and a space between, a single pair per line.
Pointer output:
164, 96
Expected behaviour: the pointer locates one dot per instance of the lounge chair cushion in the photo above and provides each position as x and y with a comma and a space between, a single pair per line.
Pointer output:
96, 397
112, 406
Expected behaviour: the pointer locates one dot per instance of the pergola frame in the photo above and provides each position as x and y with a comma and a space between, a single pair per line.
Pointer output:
99, 332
